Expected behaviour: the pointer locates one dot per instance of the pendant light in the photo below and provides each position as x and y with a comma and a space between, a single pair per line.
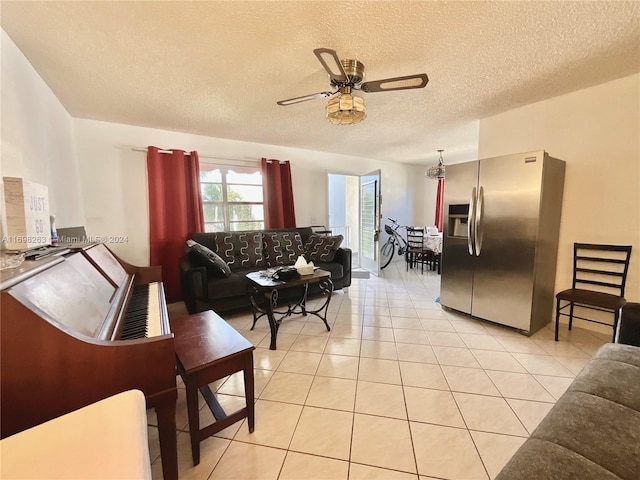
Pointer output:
437, 171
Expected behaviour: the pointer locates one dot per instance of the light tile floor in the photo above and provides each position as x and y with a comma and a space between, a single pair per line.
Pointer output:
399, 389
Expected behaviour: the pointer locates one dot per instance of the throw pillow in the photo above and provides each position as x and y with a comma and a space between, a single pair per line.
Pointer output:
321, 248
216, 264
246, 250
281, 248
239, 249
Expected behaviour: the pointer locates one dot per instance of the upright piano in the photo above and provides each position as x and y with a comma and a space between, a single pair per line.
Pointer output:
80, 327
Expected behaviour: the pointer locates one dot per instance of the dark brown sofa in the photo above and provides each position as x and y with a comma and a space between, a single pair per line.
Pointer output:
244, 252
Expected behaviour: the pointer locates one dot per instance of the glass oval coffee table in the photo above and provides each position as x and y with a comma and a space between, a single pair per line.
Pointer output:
263, 284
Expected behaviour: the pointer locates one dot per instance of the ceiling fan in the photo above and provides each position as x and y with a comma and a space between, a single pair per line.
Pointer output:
346, 76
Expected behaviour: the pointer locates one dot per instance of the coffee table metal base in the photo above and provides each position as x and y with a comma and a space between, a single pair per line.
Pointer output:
275, 316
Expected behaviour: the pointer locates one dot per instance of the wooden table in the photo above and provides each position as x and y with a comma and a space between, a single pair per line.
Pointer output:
208, 349
434, 243
268, 287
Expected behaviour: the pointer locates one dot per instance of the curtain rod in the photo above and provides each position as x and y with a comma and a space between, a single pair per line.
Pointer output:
211, 157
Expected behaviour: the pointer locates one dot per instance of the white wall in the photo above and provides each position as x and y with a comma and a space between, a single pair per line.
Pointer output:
114, 178
426, 189
597, 132
37, 135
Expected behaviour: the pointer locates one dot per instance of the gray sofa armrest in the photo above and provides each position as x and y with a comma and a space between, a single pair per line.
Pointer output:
195, 283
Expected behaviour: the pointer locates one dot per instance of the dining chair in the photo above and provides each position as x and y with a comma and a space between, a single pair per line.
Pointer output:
601, 271
433, 260
416, 250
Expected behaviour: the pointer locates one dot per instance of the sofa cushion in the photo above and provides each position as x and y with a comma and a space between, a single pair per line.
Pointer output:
233, 286
303, 231
604, 378
321, 248
216, 265
539, 459
248, 251
237, 249
281, 248
598, 429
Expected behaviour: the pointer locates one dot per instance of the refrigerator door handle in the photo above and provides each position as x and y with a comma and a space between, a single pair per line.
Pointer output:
471, 222
478, 222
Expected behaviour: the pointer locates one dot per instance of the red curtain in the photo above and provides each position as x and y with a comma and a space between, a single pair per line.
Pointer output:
175, 211
440, 204
279, 211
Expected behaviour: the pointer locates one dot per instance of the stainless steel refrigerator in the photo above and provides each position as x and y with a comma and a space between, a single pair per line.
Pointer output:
500, 238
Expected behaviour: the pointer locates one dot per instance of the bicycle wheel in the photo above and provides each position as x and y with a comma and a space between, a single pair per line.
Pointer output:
386, 253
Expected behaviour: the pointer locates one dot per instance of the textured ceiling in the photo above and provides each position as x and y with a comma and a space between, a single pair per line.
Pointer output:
218, 68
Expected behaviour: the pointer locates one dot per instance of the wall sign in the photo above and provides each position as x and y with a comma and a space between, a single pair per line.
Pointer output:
25, 221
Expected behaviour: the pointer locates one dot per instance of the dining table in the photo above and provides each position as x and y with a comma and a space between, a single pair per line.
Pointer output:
433, 243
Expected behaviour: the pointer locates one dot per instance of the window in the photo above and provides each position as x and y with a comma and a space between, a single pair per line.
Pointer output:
232, 198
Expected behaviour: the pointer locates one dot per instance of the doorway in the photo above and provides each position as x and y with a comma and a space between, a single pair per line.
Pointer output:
354, 212
344, 212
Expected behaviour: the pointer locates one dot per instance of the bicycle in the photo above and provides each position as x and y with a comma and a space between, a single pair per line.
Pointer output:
389, 248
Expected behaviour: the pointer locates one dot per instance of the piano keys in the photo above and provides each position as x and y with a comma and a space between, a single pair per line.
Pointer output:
81, 327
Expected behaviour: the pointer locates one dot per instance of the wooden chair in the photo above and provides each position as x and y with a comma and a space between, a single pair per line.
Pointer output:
433, 259
416, 250
320, 230
602, 269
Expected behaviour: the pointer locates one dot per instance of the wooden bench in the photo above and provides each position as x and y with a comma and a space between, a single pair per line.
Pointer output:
208, 349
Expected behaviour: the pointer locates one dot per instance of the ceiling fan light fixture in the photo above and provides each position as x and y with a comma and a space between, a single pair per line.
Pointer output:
346, 109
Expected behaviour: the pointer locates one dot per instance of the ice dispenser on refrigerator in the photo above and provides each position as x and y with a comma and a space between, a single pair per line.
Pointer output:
458, 220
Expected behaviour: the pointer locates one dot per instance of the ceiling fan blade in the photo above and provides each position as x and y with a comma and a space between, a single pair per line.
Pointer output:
419, 80
331, 63
304, 98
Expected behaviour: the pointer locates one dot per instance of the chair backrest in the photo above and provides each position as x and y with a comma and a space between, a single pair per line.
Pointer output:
601, 267
320, 230
415, 237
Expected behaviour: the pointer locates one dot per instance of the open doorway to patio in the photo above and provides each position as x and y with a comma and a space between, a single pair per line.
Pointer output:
354, 206
344, 211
